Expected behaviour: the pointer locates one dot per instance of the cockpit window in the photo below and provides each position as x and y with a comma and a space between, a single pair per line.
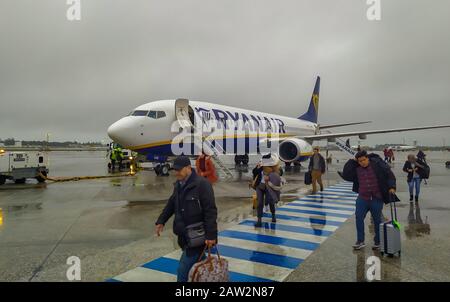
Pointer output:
140, 113
156, 114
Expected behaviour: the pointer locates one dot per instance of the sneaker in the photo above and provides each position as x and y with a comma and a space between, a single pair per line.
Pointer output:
274, 220
376, 247
258, 224
358, 245
266, 208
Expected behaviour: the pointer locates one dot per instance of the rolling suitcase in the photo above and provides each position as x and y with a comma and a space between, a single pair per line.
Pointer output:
308, 178
390, 235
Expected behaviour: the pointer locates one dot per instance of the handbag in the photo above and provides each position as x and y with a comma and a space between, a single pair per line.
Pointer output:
212, 269
195, 235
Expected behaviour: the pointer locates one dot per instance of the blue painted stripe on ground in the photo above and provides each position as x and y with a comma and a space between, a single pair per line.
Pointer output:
341, 191
304, 219
256, 256
314, 212
318, 206
336, 193
288, 228
331, 197
299, 244
170, 266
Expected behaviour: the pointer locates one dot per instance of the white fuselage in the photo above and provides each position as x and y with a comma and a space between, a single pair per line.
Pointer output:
154, 127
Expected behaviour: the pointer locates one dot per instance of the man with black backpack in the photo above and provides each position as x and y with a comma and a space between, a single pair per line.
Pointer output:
195, 223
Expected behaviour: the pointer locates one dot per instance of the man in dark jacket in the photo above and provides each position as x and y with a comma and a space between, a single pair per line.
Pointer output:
374, 181
192, 201
317, 168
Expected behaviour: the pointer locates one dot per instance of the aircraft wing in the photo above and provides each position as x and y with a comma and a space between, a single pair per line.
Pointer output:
357, 133
342, 125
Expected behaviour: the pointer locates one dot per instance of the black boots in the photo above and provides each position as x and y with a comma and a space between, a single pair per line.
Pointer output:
411, 197
273, 218
258, 224
417, 198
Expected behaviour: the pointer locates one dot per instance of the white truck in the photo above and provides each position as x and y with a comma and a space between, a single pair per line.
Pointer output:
18, 166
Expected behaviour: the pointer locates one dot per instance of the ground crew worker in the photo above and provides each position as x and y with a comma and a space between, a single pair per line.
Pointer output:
192, 202
205, 167
317, 168
119, 156
113, 158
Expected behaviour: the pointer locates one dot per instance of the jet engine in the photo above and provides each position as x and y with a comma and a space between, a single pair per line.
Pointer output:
294, 149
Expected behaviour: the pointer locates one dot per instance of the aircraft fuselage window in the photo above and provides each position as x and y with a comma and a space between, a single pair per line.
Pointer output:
161, 114
140, 113
152, 114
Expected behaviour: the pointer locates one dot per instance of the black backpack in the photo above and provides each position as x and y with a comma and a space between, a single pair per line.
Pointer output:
425, 172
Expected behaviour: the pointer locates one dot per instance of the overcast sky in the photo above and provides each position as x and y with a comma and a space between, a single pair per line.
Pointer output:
74, 79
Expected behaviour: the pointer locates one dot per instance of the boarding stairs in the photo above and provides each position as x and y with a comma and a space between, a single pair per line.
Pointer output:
215, 151
343, 147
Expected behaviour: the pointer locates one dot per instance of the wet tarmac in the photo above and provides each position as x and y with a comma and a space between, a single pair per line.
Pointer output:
109, 224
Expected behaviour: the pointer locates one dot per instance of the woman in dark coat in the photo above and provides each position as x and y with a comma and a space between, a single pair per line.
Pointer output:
415, 170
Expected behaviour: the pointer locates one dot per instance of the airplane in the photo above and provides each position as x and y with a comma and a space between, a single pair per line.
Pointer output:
403, 147
154, 129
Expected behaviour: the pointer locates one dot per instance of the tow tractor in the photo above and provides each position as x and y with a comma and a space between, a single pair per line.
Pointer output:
18, 166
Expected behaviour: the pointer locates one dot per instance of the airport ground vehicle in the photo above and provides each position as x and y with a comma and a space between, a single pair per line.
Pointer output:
18, 166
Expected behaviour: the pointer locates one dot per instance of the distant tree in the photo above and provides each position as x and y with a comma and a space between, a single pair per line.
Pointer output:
9, 142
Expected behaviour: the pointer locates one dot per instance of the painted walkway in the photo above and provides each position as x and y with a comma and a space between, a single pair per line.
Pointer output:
272, 252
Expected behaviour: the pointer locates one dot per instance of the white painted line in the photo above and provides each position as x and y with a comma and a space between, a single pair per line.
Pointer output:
142, 274
326, 204
349, 212
319, 200
315, 216
313, 226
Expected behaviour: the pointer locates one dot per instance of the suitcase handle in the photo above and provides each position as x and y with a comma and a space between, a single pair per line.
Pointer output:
392, 199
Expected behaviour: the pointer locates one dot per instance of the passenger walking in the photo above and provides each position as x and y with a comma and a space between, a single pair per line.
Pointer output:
373, 180
274, 183
421, 156
386, 155
195, 223
317, 167
205, 167
415, 169
391, 155
267, 185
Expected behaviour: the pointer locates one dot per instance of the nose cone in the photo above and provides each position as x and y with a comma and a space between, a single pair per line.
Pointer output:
119, 133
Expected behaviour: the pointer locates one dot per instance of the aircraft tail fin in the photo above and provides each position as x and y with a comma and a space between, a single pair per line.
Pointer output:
313, 111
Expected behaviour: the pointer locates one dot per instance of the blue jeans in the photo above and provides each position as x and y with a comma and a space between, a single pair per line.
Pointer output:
415, 182
375, 206
186, 263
